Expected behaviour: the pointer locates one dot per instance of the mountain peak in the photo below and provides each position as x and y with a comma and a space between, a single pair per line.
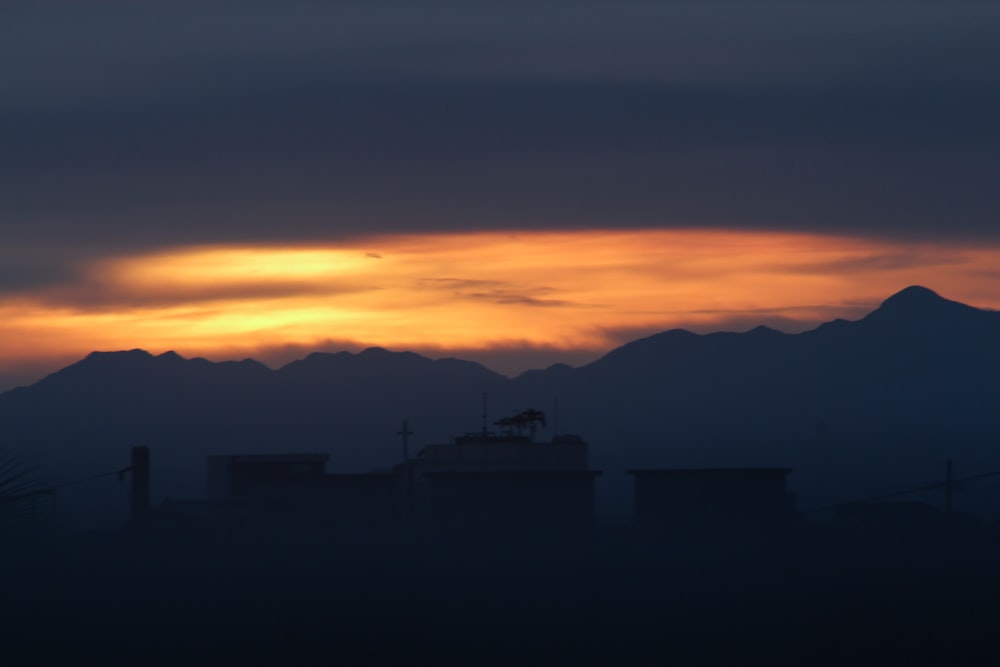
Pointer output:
914, 296
116, 357
920, 307
761, 330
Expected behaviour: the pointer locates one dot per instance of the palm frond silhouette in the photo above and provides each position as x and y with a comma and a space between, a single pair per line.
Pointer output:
19, 491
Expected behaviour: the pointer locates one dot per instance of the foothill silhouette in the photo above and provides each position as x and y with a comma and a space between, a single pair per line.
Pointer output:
744, 497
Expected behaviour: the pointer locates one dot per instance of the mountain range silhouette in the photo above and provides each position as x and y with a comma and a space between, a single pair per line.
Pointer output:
855, 407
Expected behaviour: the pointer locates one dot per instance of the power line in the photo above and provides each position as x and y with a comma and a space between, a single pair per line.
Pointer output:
119, 473
896, 494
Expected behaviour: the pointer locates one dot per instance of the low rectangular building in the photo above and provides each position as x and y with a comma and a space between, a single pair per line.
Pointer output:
298, 487
241, 475
517, 503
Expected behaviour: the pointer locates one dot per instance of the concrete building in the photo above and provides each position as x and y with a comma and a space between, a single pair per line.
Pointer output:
479, 483
477, 452
298, 487
501, 485
245, 475
553, 503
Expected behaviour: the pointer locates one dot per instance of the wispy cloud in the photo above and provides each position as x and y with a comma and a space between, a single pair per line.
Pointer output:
501, 292
568, 294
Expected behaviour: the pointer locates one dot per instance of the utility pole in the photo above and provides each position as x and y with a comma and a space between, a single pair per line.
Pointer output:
406, 433
407, 470
555, 417
485, 419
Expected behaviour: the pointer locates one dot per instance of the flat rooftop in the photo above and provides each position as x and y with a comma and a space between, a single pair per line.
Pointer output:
274, 458
513, 474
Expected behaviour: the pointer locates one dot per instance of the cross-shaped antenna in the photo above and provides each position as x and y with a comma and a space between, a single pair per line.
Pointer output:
407, 468
406, 433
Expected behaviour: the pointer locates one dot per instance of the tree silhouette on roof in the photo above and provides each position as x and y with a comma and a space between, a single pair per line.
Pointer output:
528, 418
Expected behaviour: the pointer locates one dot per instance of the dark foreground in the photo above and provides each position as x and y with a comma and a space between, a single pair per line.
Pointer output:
154, 597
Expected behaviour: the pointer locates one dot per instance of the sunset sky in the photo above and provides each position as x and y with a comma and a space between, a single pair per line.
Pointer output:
520, 185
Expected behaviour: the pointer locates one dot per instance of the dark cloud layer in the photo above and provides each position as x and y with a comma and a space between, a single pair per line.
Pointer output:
141, 124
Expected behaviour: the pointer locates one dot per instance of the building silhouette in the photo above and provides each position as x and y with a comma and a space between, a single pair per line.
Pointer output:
296, 487
485, 485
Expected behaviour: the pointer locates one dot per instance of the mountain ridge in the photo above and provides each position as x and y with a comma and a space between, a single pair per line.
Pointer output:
912, 305
905, 387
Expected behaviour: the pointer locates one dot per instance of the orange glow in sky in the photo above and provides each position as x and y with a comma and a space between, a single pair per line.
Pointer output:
584, 290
